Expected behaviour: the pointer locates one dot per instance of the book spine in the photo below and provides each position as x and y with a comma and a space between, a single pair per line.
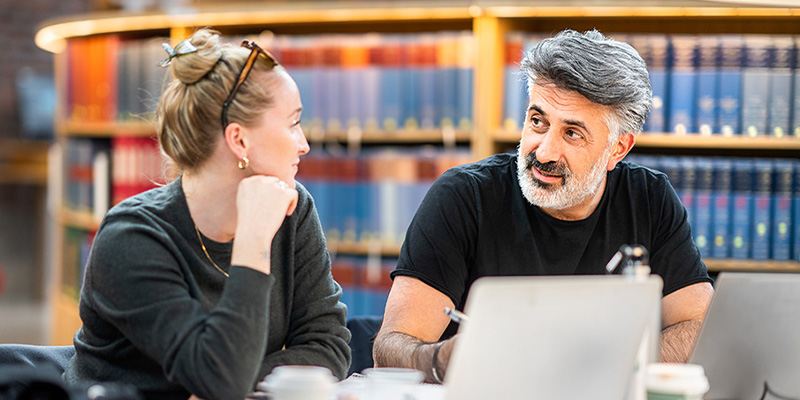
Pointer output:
730, 84
741, 223
755, 85
683, 83
780, 89
701, 229
762, 207
707, 86
659, 82
782, 210
721, 199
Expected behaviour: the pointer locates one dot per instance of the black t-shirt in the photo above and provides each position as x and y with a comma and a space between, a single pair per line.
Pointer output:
475, 222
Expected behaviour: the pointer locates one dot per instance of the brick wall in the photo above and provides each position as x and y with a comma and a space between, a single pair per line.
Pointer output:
19, 20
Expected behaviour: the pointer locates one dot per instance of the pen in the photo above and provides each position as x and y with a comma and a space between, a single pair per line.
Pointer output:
455, 315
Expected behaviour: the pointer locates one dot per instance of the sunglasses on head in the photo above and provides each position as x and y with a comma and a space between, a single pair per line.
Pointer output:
255, 51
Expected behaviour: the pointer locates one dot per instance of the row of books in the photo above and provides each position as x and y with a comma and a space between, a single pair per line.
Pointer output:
365, 282
103, 172
373, 196
738, 208
369, 82
707, 84
77, 244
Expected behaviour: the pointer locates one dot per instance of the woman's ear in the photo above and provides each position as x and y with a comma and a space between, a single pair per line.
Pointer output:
620, 149
236, 139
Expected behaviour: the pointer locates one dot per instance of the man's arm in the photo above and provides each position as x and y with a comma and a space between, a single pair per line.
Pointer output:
682, 314
412, 324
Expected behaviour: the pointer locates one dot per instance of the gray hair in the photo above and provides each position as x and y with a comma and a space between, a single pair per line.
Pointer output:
603, 70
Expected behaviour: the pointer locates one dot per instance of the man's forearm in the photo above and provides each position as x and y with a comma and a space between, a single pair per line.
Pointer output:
396, 349
677, 341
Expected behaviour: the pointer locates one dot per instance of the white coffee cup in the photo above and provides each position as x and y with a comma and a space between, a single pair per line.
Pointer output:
667, 381
300, 382
392, 383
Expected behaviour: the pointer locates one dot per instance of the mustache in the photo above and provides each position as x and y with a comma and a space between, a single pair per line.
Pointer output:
551, 167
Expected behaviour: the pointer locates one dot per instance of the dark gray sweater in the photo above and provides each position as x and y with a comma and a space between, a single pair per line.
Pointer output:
158, 315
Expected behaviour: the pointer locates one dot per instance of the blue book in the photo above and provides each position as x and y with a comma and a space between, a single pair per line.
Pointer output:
782, 209
796, 91
755, 84
741, 223
427, 83
654, 49
701, 228
730, 85
659, 82
391, 84
780, 86
707, 85
446, 80
682, 83
796, 214
721, 198
410, 82
686, 187
762, 209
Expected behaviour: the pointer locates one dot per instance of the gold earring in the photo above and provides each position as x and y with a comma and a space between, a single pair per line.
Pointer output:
244, 163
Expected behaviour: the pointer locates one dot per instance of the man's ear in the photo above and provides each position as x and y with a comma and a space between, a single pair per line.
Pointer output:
620, 149
236, 140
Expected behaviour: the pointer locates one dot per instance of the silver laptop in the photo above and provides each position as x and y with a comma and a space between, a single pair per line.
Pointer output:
750, 341
565, 338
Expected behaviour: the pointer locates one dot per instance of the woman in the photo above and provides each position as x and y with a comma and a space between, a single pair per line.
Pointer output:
202, 286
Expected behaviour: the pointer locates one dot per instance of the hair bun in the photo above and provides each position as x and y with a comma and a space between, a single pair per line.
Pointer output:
190, 68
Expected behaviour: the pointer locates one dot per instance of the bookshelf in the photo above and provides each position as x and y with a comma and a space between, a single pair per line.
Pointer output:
489, 23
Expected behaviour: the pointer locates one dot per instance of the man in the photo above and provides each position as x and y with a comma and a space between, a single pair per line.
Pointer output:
563, 205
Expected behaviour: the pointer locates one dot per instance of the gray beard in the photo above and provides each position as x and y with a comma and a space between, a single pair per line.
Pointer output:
572, 191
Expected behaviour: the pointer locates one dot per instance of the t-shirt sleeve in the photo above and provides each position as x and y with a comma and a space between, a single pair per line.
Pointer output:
440, 240
673, 254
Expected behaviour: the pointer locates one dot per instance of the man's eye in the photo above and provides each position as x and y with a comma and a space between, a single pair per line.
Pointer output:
574, 134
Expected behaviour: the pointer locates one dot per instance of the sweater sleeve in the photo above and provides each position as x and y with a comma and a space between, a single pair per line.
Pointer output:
213, 352
317, 334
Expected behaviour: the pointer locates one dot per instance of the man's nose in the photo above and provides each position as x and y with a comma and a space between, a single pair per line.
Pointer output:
549, 148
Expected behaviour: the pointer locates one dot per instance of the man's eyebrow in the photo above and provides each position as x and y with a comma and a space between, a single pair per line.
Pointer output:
577, 123
537, 109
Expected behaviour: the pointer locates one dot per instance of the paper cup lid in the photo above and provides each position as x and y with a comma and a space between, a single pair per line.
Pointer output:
676, 378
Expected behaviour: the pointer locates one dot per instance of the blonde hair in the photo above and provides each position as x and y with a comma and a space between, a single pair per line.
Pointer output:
189, 113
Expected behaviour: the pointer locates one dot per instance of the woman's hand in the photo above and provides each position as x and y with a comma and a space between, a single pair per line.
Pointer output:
262, 203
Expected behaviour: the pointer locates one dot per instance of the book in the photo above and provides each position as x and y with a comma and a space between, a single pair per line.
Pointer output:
762, 210
682, 83
703, 208
730, 84
742, 208
755, 84
783, 174
780, 86
707, 98
721, 215
514, 85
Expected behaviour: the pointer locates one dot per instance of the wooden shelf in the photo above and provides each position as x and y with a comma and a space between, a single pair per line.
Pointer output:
23, 162
78, 219
692, 141
364, 249
107, 129
719, 265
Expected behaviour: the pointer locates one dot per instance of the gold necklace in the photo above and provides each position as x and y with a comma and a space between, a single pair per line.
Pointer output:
203, 246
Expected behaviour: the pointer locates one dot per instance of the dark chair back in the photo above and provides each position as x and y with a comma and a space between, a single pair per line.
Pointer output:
363, 328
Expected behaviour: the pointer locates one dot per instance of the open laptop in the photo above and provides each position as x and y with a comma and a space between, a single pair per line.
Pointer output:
751, 337
565, 338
